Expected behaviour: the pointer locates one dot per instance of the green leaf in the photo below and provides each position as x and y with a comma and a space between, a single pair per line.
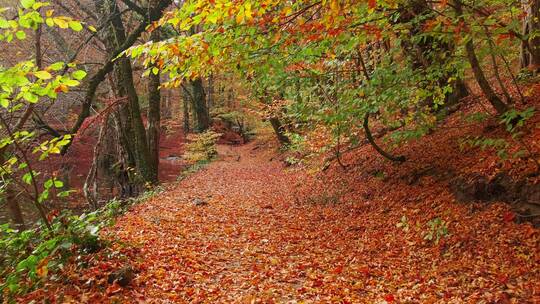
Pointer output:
27, 3
21, 35
75, 25
57, 66
4, 24
30, 97
27, 178
71, 83
79, 75
48, 184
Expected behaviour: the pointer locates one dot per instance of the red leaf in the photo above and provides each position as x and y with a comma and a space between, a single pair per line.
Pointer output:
389, 298
508, 217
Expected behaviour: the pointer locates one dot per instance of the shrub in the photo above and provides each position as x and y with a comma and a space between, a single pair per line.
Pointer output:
202, 147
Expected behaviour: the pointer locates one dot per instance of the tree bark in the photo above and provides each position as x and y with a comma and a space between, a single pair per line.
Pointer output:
479, 75
95, 80
534, 42
200, 110
280, 131
154, 117
186, 97
136, 131
371, 140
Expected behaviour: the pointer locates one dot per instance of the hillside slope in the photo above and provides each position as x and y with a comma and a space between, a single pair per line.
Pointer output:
248, 230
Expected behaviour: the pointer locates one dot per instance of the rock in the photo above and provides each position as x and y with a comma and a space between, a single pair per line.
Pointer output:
522, 196
173, 158
199, 202
122, 276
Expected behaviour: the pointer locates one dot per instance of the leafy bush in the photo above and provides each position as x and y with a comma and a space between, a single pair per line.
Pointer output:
437, 230
29, 256
202, 147
237, 121
514, 122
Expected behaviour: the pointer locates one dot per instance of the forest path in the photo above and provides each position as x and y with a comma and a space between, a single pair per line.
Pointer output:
247, 230
267, 234
250, 241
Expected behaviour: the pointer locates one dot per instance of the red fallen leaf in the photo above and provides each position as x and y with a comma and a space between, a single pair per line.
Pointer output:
372, 4
318, 283
389, 298
509, 217
114, 288
364, 270
502, 278
338, 269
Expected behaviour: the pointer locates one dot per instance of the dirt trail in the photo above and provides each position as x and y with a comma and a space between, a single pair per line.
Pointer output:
232, 245
239, 232
250, 242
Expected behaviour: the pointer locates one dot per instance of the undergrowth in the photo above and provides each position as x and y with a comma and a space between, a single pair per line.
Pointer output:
29, 257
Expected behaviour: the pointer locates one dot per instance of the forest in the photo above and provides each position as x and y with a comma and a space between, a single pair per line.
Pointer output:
269, 151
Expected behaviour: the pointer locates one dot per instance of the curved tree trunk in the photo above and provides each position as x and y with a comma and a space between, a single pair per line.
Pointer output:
377, 148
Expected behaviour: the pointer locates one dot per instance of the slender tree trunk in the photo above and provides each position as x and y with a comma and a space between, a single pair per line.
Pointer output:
154, 117
525, 54
200, 110
479, 75
211, 92
185, 109
377, 148
12, 204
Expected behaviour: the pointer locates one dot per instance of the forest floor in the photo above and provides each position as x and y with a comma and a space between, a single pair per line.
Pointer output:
253, 241
248, 229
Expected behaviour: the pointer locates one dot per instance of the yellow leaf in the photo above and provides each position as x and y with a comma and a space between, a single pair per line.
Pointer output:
240, 16
247, 12
43, 75
63, 24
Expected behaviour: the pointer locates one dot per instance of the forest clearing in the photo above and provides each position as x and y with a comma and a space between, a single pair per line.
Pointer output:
268, 151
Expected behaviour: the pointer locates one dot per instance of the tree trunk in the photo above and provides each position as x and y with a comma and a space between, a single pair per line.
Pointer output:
377, 148
154, 117
185, 109
136, 132
11, 201
479, 75
423, 54
95, 80
534, 30
211, 92
200, 110
280, 131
